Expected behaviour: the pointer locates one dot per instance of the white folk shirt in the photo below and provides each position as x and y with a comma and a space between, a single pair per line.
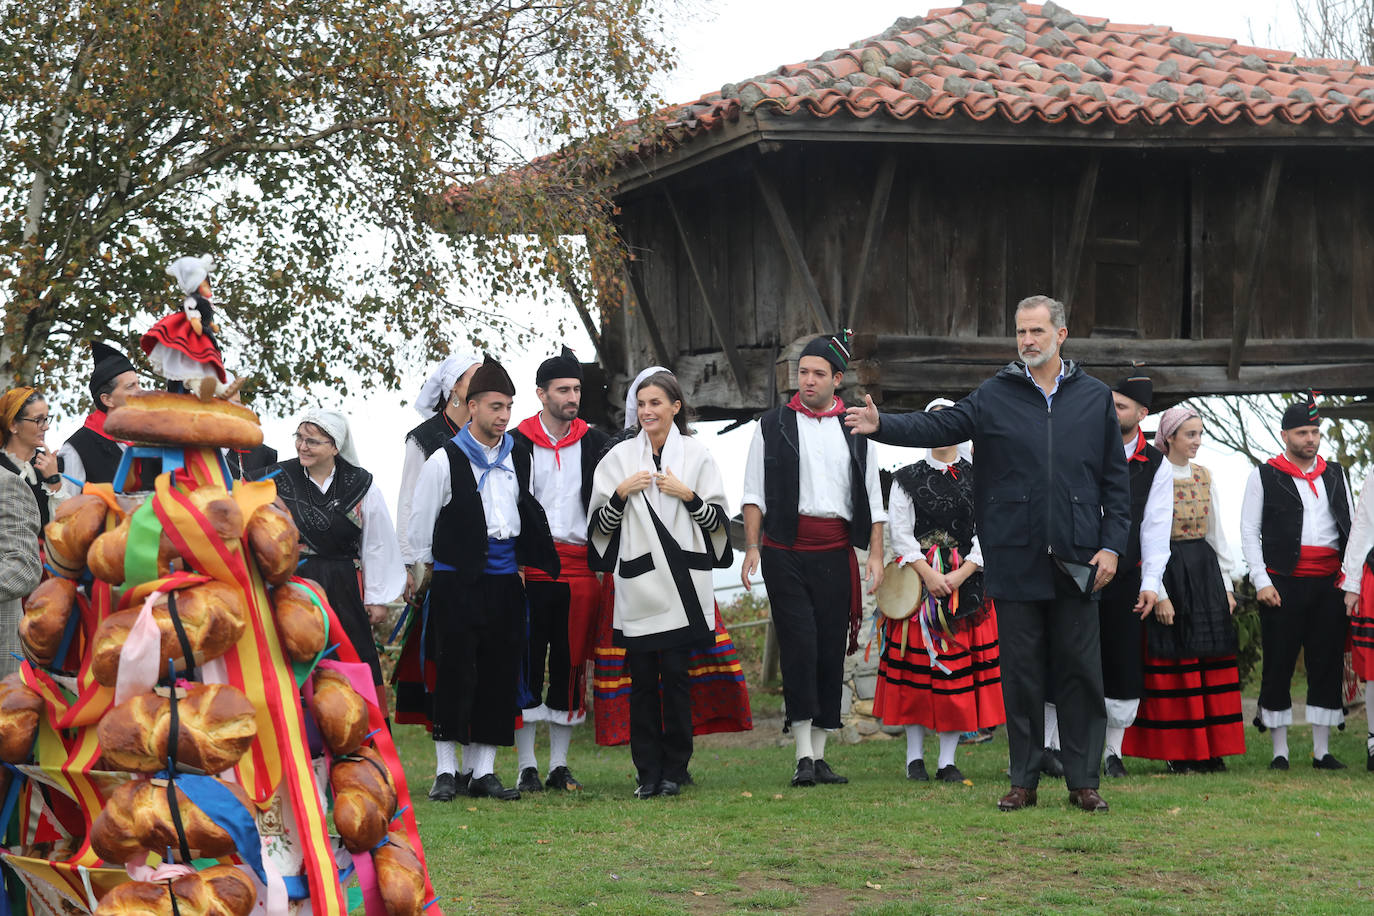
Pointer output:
1156, 525
1360, 540
823, 472
558, 487
434, 489
901, 524
379, 557
1318, 524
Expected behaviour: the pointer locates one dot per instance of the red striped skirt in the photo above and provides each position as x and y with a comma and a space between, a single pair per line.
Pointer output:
1190, 710
912, 691
1362, 629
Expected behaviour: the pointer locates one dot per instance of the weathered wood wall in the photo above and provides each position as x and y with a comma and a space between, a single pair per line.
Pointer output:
1143, 245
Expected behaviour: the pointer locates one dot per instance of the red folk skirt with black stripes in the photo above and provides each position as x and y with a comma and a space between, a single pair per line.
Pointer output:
912, 691
1362, 628
1191, 710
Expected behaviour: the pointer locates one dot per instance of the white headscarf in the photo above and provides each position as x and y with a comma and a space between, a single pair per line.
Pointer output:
190, 272
964, 448
440, 383
336, 425
632, 395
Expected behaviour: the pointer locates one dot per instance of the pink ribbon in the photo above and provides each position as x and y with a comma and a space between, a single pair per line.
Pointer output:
141, 655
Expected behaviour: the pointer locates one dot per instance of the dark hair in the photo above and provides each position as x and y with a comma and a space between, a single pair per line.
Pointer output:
668, 383
107, 388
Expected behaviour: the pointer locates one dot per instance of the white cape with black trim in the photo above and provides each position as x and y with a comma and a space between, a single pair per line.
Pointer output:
661, 558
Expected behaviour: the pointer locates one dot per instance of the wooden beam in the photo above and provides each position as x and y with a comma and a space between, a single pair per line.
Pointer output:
706, 381
1078, 234
1197, 258
877, 211
1246, 284
569, 284
634, 289
792, 247
727, 343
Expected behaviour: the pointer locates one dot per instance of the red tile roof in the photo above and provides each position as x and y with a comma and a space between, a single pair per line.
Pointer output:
1024, 61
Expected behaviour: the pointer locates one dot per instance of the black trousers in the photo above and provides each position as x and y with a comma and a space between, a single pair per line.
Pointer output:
1311, 618
1055, 641
809, 595
549, 643
480, 633
1123, 671
660, 714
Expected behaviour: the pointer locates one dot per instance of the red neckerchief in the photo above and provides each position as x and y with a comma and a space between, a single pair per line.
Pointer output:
1139, 453
95, 422
835, 410
534, 431
1283, 464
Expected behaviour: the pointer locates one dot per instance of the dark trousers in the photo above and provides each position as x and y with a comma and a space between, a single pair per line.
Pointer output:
480, 632
660, 714
1311, 618
549, 642
809, 595
1055, 641
1123, 670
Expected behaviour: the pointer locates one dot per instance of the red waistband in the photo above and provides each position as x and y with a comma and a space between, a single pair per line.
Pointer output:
572, 561
815, 534
1316, 562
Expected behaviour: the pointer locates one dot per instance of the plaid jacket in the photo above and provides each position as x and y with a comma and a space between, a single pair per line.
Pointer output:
20, 566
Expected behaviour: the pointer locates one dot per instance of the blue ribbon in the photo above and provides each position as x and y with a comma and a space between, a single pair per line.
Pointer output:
219, 804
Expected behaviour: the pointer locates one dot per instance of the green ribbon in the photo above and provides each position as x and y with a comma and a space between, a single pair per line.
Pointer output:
301, 670
140, 553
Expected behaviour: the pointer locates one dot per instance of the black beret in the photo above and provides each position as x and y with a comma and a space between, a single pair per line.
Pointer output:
1138, 388
490, 376
564, 365
834, 350
109, 363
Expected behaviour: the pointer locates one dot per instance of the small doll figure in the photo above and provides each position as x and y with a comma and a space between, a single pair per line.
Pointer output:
182, 346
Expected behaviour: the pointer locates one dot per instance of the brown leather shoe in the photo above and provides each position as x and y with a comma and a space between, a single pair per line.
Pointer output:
1019, 797
1088, 800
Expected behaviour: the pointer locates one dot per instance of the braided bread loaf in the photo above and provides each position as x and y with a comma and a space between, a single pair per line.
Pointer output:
106, 555
45, 619
400, 877
20, 708
220, 890
364, 799
216, 724
138, 818
213, 614
275, 543
299, 622
340, 712
75, 524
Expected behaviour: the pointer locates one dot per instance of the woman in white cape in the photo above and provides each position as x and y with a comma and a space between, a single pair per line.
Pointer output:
657, 521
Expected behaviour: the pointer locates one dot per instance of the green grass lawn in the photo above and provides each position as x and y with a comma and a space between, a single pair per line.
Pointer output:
742, 841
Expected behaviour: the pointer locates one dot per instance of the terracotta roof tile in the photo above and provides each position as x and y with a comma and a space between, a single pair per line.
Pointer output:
1022, 61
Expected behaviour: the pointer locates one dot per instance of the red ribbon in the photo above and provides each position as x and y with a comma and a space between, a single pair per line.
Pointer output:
835, 410
1283, 464
534, 430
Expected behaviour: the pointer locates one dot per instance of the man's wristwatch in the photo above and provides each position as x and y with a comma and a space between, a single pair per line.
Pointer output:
54, 479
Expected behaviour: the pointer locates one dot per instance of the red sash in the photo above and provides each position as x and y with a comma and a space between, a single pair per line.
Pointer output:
583, 606
817, 534
1316, 563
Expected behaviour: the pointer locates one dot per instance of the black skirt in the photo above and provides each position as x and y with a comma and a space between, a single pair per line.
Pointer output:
1202, 618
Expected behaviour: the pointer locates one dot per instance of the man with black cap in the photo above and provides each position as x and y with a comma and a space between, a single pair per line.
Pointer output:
88, 454
1294, 523
474, 523
1130, 597
562, 450
811, 496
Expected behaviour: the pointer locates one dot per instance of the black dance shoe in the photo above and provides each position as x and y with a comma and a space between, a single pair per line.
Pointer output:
828, 776
1279, 763
668, 787
1113, 767
949, 774
1327, 763
805, 773
1052, 764
1180, 767
445, 788
529, 781
489, 786
1369, 761
562, 778
647, 790
1215, 765
916, 771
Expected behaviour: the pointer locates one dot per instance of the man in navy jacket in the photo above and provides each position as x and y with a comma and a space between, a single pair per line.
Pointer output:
1051, 495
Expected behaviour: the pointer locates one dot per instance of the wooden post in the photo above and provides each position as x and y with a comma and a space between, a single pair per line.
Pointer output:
877, 211
634, 287
771, 664
792, 247
1246, 284
1197, 258
1078, 232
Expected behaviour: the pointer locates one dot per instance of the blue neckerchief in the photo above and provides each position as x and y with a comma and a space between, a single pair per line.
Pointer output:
477, 454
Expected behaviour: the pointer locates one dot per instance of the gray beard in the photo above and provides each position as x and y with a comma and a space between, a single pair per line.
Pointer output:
1035, 362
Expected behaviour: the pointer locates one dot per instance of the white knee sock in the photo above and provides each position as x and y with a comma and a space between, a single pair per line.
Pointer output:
445, 757
464, 761
1321, 741
818, 742
1279, 735
483, 758
801, 733
560, 736
524, 747
1369, 716
915, 736
949, 741
1112, 746
1051, 726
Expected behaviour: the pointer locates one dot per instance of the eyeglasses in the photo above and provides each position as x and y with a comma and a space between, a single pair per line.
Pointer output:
40, 422
311, 443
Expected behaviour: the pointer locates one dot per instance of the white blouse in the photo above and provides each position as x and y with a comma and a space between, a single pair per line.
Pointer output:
1360, 540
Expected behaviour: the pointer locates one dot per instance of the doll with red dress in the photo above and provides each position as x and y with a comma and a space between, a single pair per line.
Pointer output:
182, 346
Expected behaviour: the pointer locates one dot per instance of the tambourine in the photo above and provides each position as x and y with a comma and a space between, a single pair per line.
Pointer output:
900, 593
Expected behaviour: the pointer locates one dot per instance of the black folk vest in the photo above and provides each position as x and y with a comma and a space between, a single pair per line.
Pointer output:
1142, 477
1281, 518
433, 433
782, 478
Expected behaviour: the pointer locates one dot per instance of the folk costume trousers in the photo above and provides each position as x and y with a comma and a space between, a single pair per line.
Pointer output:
1123, 676
660, 713
809, 592
1055, 641
1311, 617
480, 634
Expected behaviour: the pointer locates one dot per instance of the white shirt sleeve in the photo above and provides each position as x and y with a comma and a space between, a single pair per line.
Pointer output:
1156, 527
1360, 540
1216, 536
753, 472
71, 466
901, 524
384, 573
410, 474
1251, 544
874, 486
975, 554
432, 493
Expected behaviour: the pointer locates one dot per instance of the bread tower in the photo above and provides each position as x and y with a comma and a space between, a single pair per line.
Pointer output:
176, 740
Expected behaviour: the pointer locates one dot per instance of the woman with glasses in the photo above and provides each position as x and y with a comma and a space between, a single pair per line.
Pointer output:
24, 420
348, 543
